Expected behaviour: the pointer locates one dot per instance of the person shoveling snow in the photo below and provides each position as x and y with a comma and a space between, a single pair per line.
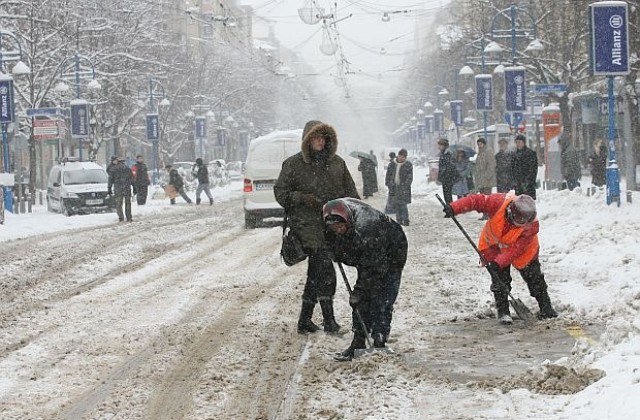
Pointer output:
360, 236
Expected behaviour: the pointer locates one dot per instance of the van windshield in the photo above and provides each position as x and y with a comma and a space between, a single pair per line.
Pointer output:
85, 176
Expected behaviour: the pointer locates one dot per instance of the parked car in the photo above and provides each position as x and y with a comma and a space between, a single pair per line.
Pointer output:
264, 161
78, 188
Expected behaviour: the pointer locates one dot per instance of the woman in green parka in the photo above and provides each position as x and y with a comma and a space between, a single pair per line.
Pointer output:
307, 181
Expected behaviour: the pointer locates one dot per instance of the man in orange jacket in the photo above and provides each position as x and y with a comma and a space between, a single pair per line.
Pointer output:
510, 237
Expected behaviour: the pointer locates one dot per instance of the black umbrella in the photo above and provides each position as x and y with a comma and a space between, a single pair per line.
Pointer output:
468, 151
357, 154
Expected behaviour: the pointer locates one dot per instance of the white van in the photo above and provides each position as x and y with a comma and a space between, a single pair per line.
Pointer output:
78, 188
264, 161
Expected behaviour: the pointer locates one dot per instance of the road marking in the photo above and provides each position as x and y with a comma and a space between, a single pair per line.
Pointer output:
577, 332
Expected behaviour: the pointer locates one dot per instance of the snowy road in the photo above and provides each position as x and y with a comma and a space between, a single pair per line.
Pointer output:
189, 315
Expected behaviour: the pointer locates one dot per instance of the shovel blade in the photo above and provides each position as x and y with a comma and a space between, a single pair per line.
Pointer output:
362, 352
524, 313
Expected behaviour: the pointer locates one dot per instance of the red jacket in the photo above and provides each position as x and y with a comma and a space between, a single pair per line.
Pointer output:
500, 241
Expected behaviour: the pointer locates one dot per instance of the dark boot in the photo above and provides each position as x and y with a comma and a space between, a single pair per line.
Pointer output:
305, 324
358, 342
546, 310
198, 201
502, 305
330, 324
379, 340
211, 201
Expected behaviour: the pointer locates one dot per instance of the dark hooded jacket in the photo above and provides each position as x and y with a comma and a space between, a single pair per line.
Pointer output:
569, 160
524, 168
374, 243
323, 175
120, 179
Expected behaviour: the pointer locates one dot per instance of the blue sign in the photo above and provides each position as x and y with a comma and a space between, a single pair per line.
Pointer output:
609, 49
6, 100
428, 124
153, 127
457, 115
37, 112
420, 131
484, 92
222, 137
544, 89
79, 119
515, 89
201, 127
438, 121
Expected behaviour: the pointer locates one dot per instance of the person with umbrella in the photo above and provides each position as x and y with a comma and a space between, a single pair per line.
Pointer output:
369, 176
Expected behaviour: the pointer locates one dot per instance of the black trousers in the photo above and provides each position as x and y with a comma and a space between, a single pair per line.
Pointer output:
141, 194
531, 274
376, 305
447, 193
321, 276
126, 199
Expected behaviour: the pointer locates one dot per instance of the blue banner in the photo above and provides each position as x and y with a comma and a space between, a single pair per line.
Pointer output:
6, 100
515, 89
609, 50
428, 124
457, 115
153, 127
222, 137
484, 92
201, 127
420, 131
438, 121
79, 119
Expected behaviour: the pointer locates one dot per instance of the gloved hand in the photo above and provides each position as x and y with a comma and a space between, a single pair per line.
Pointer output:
354, 300
109, 193
309, 200
448, 211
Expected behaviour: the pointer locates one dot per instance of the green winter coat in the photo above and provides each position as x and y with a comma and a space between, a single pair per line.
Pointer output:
326, 179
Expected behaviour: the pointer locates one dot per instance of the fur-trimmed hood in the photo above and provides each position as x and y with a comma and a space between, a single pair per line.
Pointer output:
331, 140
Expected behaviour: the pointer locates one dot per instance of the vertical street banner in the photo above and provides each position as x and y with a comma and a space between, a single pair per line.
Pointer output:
609, 29
428, 124
515, 89
201, 127
438, 121
484, 92
421, 131
79, 119
222, 137
6, 99
457, 115
153, 127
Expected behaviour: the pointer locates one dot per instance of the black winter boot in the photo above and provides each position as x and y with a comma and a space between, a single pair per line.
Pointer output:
358, 342
502, 305
330, 324
305, 324
379, 340
211, 201
198, 201
546, 310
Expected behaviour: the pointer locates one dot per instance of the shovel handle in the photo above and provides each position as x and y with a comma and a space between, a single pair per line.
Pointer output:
362, 324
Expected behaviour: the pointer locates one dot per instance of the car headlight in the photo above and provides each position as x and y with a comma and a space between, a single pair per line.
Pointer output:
70, 195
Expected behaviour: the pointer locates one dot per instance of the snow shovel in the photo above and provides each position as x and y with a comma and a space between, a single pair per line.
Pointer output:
521, 309
370, 348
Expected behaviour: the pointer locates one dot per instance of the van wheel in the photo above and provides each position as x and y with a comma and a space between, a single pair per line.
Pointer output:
250, 221
63, 208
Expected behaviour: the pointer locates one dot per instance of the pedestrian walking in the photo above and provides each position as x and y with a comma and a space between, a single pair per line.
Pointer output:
447, 173
369, 175
524, 168
141, 181
509, 237
176, 181
307, 181
504, 175
119, 185
484, 171
389, 207
363, 237
202, 174
460, 188
598, 162
398, 180
569, 163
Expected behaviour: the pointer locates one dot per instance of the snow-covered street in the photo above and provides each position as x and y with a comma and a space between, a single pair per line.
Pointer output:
185, 314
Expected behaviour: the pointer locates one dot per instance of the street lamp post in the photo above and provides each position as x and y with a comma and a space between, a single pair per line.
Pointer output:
81, 68
7, 102
153, 92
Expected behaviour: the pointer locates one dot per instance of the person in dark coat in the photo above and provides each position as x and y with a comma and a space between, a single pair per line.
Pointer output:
120, 182
569, 163
175, 179
598, 162
308, 180
369, 176
364, 237
461, 186
504, 176
389, 208
112, 163
509, 238
141, 181
524, 167
447, 172
202, 174
398, 179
